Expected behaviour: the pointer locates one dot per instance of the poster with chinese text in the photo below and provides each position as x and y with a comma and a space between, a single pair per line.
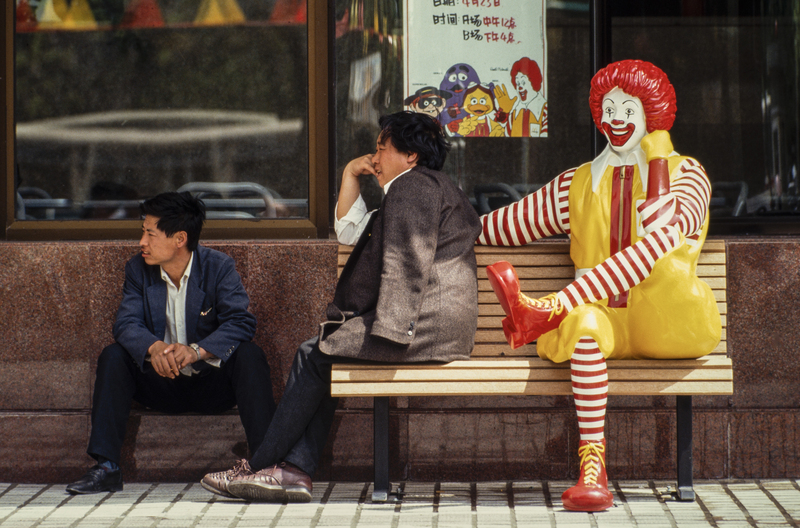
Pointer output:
479, 66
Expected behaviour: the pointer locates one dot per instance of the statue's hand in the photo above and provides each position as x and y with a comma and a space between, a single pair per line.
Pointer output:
504, 102
657, 144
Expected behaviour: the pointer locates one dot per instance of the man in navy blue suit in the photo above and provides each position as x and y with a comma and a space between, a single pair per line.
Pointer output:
182, 339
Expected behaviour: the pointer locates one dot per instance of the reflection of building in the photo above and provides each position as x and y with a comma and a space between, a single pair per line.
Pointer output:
161, 150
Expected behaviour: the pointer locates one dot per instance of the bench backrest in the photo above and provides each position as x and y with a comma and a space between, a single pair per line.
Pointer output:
545, 267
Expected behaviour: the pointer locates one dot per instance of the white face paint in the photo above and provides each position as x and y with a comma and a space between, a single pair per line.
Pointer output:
523, 85
623, 121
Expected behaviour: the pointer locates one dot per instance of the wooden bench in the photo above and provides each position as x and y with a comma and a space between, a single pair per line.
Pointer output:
497, 370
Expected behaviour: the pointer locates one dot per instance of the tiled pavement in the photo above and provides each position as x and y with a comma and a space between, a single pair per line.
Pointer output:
740, 503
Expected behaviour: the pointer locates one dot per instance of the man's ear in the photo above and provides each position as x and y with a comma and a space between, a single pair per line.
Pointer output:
412, 158
181, 238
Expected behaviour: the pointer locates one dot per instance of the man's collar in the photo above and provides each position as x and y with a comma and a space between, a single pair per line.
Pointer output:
610, 158
389, 184
186, 272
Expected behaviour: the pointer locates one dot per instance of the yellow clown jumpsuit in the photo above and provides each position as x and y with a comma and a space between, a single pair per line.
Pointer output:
671, 314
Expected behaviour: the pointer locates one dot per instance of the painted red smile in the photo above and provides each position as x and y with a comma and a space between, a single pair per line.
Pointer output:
618, 136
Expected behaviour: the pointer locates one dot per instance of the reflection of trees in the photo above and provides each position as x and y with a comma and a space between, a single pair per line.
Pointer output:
365, 28
254, 68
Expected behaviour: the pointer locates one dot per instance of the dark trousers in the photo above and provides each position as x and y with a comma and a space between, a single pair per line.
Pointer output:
301, 424
243, 380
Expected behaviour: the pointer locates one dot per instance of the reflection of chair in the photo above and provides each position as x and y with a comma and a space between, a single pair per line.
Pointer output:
491, 196
20, 207
227, 199
728, 198
34, 198
525, 189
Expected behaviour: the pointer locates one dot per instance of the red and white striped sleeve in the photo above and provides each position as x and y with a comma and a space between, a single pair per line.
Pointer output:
543, 124
540, 214
693, 192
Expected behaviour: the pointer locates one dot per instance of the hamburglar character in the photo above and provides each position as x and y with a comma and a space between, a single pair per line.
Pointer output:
637, 217
427, 100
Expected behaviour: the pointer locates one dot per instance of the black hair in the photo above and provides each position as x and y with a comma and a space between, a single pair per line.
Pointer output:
177, 212
415, 133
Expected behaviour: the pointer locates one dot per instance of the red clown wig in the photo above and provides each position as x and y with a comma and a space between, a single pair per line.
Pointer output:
530, 69
640, 79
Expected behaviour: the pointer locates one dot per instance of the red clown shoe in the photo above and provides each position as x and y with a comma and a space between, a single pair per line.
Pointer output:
527, 318
591, 493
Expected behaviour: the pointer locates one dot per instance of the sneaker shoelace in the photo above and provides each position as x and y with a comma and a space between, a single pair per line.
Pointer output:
591, 460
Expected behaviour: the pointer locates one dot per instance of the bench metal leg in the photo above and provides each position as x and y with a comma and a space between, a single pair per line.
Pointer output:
683, 408
380, 412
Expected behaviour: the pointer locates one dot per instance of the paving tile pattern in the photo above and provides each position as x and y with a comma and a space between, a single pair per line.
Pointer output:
650, 504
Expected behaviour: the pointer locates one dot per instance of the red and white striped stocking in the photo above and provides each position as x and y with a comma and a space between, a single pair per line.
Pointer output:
589, 388
622, 271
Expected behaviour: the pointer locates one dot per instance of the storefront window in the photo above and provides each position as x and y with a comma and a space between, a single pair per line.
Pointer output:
118, 101
734, 66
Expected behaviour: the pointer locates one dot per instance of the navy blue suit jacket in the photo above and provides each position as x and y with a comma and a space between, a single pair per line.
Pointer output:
216, 307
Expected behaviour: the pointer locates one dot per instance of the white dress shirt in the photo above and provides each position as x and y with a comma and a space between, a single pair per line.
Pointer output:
350, 226
175, 331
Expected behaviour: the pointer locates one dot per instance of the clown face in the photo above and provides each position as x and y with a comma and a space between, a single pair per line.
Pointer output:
523, 86
623, 121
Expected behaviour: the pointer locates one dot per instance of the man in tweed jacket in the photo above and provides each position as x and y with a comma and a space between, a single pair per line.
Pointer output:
408, 293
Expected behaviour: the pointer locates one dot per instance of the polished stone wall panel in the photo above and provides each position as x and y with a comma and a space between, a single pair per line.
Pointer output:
764, 322
290, 285
194, 445
530, 445
60, 299
45, 290
765, 443
44, 447
45, 384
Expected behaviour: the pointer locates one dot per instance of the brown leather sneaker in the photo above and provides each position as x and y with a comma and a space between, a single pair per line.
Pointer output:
218, 482
280, 483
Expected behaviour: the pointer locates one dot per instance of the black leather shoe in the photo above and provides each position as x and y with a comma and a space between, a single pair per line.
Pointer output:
97, 480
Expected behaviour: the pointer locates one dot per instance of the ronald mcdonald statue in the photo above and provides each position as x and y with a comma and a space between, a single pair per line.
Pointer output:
637, 217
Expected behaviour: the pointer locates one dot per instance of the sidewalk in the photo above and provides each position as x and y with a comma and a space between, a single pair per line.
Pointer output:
740, 503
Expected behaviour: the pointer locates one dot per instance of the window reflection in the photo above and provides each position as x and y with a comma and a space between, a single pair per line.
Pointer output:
118, 101
737, 98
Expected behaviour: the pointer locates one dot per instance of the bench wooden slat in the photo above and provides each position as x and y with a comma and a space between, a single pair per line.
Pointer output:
710, 246
497, 310
468, 375
705, 362
488, 296
502, 350
497, 336
554, 285
529, 388
495, 322
568, 272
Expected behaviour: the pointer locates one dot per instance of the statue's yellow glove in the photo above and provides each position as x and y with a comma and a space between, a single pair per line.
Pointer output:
657, 144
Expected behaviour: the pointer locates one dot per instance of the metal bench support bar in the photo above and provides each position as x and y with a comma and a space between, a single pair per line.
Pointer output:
683, 411
380, 412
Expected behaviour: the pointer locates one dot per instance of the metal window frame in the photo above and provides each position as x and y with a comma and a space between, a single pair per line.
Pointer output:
320, 126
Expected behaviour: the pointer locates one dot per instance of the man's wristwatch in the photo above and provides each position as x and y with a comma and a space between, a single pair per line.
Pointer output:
196, 348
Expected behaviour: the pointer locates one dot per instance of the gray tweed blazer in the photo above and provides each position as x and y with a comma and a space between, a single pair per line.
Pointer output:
408, 292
